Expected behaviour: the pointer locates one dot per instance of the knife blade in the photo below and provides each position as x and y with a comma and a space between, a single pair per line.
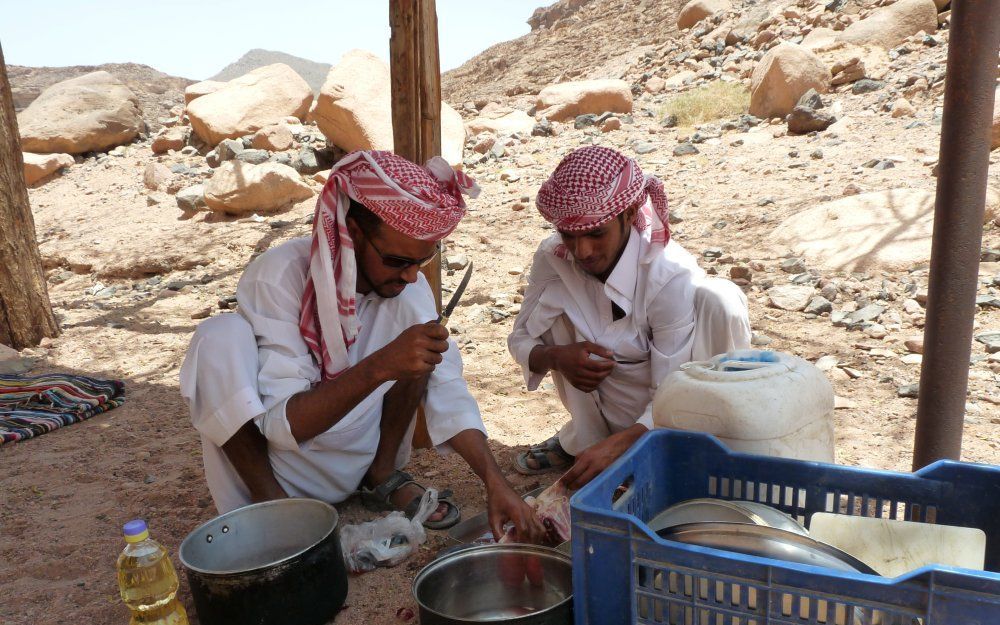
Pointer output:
457, 295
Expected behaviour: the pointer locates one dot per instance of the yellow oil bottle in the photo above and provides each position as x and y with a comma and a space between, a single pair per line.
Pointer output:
147, 579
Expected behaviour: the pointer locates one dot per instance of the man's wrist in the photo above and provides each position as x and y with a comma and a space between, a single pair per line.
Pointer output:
494, 480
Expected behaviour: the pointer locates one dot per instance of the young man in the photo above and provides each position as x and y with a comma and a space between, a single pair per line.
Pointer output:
310, 391
612, 307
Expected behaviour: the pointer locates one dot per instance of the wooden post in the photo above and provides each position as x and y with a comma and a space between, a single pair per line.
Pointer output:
415, 71
25, 312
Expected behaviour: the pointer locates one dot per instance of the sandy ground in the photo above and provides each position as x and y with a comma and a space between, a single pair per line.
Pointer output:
65, 495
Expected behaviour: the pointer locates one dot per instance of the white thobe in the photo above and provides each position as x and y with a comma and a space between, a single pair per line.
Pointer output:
673, 314
247, 366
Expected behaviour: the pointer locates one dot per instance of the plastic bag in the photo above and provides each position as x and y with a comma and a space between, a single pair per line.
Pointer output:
386, 541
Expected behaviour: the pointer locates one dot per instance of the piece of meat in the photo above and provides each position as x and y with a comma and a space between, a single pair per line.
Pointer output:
552, 509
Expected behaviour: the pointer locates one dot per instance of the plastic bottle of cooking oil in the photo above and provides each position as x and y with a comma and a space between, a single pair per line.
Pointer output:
147, 579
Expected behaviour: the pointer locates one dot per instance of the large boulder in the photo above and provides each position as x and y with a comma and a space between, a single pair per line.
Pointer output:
889, 230
173, 138
697, 10
785, 73
39, 166
566, 100
354, 108
237, 187
995, 139
93, 112
505, 125
246, 104
890, 26
198, 89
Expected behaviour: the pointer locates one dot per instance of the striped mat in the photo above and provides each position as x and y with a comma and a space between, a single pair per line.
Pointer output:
34, 405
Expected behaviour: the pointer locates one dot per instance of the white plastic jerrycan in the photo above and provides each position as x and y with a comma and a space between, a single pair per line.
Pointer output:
755, 401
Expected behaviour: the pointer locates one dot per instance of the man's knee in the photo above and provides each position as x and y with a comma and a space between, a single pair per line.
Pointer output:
721, 299
223, 332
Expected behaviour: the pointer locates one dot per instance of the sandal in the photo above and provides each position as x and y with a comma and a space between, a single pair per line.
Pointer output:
378, 499
547, 456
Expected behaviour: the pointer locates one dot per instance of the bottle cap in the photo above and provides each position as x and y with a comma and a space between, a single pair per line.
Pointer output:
135, 531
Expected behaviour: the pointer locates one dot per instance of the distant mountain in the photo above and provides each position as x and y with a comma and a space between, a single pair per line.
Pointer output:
157, 92
314, 73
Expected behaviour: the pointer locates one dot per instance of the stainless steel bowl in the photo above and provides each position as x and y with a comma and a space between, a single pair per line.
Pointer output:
496, 584
723, 511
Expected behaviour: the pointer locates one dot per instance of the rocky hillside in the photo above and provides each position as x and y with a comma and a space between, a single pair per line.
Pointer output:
314, 73
157, 92
572, 39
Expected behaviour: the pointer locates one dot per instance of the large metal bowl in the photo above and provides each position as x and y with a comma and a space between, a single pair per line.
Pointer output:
519, 584
723, 511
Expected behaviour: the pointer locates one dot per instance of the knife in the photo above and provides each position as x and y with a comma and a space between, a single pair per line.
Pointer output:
457, 295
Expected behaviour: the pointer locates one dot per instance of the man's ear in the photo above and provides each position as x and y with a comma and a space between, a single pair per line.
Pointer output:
357, 234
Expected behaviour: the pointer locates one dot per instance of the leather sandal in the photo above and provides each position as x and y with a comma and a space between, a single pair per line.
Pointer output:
379, 499
547, 456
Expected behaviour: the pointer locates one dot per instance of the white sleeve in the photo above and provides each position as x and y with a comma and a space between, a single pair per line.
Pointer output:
671, 323
271, 302
449, 407
520, 342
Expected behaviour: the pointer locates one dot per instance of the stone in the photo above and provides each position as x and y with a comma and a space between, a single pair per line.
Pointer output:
90, 113
228, 149
697, 10
876, 331
542, 129
458, 261
655, 85
912, 359
679, 79
819, 305
740, 272
790, 297
583, 121
803, 120
903, 108
354, 109
908, 390
198, 89
866, 85
869, 313
889, 26
915, 344
811, 99
253, 157
242, 188
173, 138
156, 176
760, 340
276, 138
644, 148
991, 340
515, 122
793, 265
889, 230
564, 101
191, 199
259, 98
685, 149
309, 160
987, 301
610, 124
157, 198
826, 363
41, 166
11, 362
783, 76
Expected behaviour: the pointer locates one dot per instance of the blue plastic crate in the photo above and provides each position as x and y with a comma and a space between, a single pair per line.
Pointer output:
624, 573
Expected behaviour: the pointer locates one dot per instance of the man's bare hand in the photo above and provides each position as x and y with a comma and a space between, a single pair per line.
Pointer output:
415, 352
504, 505
576, 363
599, 456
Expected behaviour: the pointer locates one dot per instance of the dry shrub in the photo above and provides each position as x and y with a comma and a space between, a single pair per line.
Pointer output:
715, 100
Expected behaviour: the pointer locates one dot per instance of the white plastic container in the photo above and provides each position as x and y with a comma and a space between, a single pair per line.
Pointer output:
759, 402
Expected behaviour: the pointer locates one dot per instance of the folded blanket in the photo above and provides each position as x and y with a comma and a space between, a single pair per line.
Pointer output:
33, 405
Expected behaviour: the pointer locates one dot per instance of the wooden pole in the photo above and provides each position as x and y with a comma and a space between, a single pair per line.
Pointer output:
25, 312
415, 76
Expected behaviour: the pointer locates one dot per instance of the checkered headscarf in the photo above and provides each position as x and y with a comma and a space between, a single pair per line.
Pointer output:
421, 202
595, 184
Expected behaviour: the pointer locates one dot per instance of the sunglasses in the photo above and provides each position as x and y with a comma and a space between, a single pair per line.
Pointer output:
399, 262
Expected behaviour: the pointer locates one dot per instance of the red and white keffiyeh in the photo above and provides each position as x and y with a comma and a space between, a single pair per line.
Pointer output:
421, 202
593, 185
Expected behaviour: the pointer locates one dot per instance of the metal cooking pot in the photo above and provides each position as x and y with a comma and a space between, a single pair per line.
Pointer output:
270, 563
513, 584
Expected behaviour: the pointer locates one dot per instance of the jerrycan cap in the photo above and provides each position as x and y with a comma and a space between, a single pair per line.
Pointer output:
135, 531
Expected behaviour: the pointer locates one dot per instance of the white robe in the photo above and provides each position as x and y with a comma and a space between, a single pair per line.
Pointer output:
247, 366
673, 314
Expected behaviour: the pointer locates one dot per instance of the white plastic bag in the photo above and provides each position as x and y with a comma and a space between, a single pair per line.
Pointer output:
386, 541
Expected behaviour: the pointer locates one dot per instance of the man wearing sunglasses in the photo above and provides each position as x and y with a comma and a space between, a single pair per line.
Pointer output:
612, 307
311, 389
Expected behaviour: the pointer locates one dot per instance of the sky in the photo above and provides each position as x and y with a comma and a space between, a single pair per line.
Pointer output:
197, 38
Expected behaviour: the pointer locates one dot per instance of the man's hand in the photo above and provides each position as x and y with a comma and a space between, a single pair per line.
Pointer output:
575, 363
504, 505
415, 352
599, 456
